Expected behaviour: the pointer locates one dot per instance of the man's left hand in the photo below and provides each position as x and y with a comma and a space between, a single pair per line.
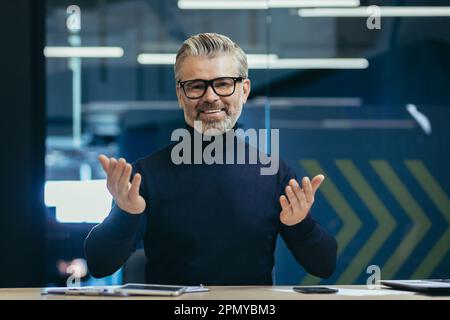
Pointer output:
299, 200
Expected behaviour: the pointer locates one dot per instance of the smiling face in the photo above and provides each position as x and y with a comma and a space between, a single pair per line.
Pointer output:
217, 114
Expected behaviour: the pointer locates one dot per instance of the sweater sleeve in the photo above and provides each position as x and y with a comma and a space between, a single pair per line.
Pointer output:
110, 243
311, 245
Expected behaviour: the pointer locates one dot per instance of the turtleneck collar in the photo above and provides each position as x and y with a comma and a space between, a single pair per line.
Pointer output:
236, 126
199, 142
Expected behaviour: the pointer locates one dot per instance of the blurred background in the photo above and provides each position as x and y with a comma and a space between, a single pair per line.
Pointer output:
362, 100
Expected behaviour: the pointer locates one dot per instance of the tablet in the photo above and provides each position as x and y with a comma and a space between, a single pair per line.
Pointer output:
150, 289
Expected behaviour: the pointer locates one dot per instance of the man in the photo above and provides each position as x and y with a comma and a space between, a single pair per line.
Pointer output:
211, 224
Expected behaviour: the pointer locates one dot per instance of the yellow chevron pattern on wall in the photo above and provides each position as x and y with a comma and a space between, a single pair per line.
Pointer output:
386, 222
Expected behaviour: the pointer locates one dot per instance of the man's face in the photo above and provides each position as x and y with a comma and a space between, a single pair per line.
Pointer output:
217, 114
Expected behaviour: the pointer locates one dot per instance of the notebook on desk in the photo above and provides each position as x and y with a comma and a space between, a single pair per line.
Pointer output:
129, 289
429, 286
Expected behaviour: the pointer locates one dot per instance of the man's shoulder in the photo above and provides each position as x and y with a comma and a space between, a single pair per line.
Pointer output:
285, 171
284, 168
158, 157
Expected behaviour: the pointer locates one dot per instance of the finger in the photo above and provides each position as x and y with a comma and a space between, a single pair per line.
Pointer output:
293, 200
308, 189
109, 180
124, 180
286, 213
112, 165
299, 192
117, 168
316, 182
117, 173
294, 184
104, 161
285, 204
134, 189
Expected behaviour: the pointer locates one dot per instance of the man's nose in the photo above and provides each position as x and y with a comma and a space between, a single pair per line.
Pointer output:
210, 95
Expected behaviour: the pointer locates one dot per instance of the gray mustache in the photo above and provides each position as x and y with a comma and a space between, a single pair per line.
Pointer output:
225, 108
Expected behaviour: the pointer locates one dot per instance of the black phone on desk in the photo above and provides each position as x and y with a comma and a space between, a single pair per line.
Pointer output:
310, 289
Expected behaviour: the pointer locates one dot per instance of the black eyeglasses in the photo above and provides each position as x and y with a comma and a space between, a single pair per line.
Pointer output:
223, 86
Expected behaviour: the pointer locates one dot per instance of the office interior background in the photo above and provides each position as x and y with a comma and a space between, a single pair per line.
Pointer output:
367, 107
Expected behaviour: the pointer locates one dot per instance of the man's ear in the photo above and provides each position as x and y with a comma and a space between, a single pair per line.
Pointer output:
246, 87
179, 96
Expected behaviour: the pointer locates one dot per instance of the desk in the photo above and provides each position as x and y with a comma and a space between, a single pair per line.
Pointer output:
238, 293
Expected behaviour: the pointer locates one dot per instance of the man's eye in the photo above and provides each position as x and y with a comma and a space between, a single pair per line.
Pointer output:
198, 86
222, 84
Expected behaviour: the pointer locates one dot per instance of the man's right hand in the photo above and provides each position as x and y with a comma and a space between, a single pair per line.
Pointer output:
125, 194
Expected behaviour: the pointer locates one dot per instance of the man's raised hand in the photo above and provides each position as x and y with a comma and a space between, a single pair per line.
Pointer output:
299, 200
125, 194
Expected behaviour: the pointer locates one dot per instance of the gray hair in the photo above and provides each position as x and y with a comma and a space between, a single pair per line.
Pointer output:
210, 45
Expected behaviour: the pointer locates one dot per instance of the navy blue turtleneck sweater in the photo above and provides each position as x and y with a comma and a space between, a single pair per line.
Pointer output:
211, 224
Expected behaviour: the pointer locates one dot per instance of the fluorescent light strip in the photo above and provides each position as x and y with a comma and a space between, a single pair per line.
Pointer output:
270, 61
83, 52
312, 3
156, 58
288, 102
261, 58
344, 124
384, 12
262, 4
169, 58
331, 63
222, 5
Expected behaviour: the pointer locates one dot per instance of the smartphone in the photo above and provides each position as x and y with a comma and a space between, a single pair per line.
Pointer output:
307, 289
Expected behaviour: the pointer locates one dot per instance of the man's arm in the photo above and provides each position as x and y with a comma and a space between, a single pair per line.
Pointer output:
312, 246
109, 244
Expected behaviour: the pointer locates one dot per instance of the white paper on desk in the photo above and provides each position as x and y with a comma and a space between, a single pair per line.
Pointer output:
368, 292
193, 289
90, 290
282, 290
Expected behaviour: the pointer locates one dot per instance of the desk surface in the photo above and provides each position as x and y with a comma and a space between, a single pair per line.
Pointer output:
239, 293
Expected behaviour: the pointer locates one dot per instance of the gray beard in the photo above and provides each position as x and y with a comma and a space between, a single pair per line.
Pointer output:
212, 128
